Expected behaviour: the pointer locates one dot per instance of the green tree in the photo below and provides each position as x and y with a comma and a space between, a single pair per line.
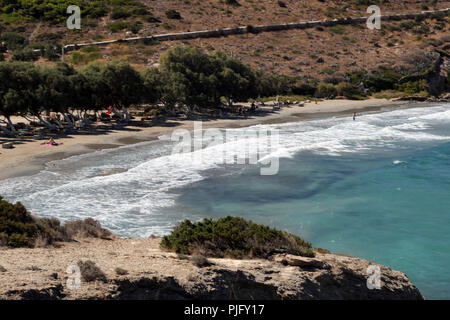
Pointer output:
151, 85
98, 90
53, 92
326, 90
237, 81
194, 77
17, 90
125, 85
349, 91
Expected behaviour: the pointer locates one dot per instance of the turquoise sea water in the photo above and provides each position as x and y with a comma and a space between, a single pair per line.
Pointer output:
394, 214
377, 188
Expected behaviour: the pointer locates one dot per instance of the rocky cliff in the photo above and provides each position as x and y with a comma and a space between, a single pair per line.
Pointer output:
138, 269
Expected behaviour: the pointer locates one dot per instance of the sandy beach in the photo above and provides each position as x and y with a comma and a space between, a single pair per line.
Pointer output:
28, 155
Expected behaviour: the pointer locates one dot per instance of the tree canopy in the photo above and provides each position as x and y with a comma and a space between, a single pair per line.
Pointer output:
186, 77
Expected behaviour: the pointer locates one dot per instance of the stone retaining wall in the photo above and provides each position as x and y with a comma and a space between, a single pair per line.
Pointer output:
254, 29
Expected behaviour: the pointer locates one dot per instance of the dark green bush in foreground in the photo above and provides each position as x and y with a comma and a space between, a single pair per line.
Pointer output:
18, 228
233, 237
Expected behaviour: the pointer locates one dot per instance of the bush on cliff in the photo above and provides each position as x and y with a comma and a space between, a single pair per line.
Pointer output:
18, 228
233, 237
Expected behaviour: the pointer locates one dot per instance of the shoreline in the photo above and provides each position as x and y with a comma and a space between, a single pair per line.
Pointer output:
29, 156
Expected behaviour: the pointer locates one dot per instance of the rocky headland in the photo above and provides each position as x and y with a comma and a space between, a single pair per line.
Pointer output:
139, 269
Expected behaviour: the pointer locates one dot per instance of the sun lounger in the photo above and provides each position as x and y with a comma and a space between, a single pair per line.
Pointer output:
8, 145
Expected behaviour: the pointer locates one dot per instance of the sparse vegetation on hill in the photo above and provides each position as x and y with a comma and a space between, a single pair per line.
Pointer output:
54, 11
233, 237
350, 47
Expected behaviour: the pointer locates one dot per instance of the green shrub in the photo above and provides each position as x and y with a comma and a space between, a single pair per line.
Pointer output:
25, 55
118, 26
304, 89
119, 13
381, 79
414, 87
142, 11
54, 11
421, 30
233, 237
408, 25
48, 37
326, 90
151, 19
136, 27
328, 71
18, 228
13, 40
349, 91
51, 52
173, 14
80, 58
338, 29
250, 29
89, 49
168, 26
95, 12
233, 3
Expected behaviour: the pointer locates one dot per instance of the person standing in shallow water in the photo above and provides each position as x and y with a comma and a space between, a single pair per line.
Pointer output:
354, 116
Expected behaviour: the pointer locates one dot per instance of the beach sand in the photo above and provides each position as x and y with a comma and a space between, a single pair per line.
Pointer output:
29, 156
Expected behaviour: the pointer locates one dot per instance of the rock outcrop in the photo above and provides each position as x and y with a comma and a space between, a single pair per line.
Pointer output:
436, 76
41, 273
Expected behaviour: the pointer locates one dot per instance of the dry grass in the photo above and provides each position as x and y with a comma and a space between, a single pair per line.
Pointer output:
87, 228
120, 271
90, 272
200, 261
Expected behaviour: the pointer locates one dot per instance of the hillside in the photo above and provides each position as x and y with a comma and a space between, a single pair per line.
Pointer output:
318, 53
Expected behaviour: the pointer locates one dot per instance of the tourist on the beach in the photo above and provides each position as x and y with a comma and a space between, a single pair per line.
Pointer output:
354, 116
52, 142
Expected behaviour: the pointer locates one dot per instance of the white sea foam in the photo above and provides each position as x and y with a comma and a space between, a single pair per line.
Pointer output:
130, 200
